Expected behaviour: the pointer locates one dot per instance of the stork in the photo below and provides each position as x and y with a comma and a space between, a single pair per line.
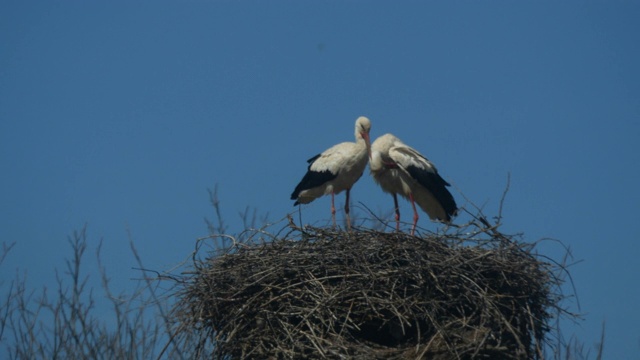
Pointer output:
400, 169
336, 169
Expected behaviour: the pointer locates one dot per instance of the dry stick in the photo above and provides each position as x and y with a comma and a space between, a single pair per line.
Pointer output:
323, 256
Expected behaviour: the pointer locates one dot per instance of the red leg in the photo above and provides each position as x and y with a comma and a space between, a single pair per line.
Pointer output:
395, 203
415, 215
346, 210
333, 210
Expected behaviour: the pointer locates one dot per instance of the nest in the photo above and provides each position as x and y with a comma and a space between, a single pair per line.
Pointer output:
365, 294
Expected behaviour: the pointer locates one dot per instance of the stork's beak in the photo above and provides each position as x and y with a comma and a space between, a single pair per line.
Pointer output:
367, 141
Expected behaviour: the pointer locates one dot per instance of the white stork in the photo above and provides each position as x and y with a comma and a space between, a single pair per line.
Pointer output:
400, 169
336, 169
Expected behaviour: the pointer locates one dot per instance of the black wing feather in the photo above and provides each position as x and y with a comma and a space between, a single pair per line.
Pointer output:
312, 179
433, 182
313, 159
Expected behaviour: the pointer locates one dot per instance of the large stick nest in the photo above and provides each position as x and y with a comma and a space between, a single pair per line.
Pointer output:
365, 294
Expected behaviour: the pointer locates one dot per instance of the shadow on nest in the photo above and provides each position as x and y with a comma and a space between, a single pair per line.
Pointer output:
367, 294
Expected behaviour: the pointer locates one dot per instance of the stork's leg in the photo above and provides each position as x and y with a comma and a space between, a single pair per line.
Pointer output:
415, 214
395, 203
333, 210
346, 210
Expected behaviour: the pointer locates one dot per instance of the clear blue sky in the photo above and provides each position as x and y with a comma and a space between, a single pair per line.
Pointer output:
121, 115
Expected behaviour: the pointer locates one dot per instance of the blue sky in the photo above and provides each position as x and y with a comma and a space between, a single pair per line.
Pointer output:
120, 115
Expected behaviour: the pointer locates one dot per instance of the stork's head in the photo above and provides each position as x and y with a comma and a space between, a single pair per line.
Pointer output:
381, 147
384, 143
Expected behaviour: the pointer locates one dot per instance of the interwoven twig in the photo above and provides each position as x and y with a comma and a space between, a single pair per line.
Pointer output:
324, 293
